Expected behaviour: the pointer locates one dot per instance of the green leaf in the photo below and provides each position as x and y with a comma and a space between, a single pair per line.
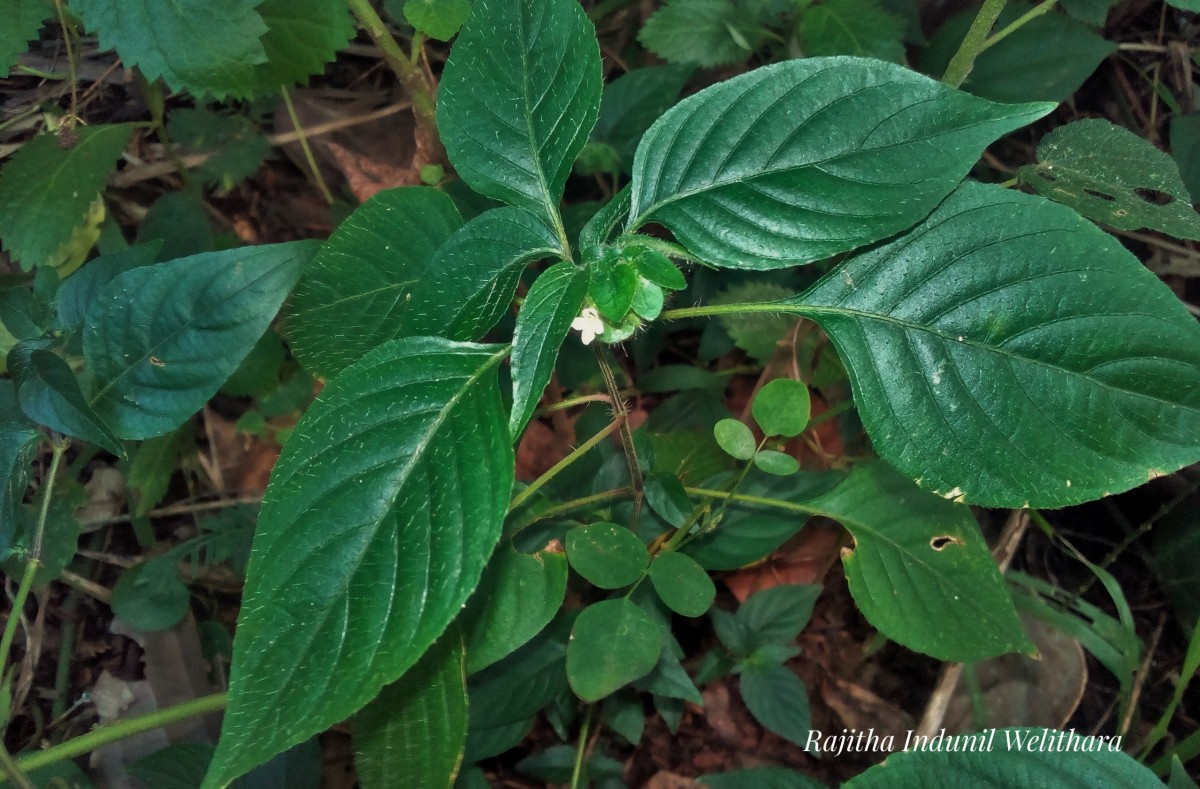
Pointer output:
552, 303
777, 699
150, 596
202, 46
704, 32
19, 440
518, 98
611, 286
382, 510
778, 614
517, 597
302, 36
613, 643
920, 570
80, 290
1185, 149
682, 585
178, 222
1085, 394
1174, 552
1094, 12
632, 103
1047, 59
648, 300
160, 340
656, 267
735, 438
233, 144
782, 408
1111, 175
49, 395
852, 27
413, 733
608, 555
804, 159
178, 766
438, 19
1030, 758
371, 269
777, 463
150, 471
46, 189
22, 21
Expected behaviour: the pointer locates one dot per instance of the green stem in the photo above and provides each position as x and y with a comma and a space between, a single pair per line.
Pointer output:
743, 498
554, 470
118, 730
13, 772
567, 506
710, 310
571, 402
68, 38
1019, 22
973, 44
405, 66
622, 420
581, 748
302, 138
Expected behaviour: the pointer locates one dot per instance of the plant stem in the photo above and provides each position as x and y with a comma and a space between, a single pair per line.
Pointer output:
581, 748
68, 34
13, 772
571, 402
1019, 22
309, 159
622, 419
410, 74
111, 732
554, 470
744, 498
567, 506
973, 44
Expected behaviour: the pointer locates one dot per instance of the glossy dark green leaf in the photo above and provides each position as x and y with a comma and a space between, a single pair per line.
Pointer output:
992, 363
382, 510
804, 159
1111, 175
920, 569
608, 555
777, 699
160, 340
518, 596
552, 303
735, 438
632, 102
612, 285
78, 292
1185, 149
22, 313
49, 394
665, 495
413, 733
782, 407
150, 596
19, 440
518, 98
778, 614
656, 267
613, 643
360, 286
647, 301
682, 585
779, 464
46, 189
1032, 758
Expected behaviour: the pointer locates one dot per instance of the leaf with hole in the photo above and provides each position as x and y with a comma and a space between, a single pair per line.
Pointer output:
991, 362
608, 555
612, 644
1111, 175
804, 159
682, 585
160, 340
920, 569
385, 505
518, 98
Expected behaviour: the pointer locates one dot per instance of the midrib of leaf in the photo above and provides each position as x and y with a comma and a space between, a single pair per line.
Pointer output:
364, 294
393, 491
170, 337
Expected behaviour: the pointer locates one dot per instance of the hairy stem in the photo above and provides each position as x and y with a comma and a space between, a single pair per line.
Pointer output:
302, 138
973, 44
1019, 22
622, 419
554, 470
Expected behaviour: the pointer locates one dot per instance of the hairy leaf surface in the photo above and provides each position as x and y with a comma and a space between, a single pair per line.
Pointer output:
804, 159
518, 98
160, 340
382, 511
1006, 352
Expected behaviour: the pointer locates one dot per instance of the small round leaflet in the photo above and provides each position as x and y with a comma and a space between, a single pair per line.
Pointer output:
608, 555
782, 407
682, 584
612, 644
777, 463
735, 438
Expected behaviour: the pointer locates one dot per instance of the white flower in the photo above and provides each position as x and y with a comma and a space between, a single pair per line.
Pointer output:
589, 325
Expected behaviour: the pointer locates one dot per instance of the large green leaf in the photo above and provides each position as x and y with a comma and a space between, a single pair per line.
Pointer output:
78, 293
1006, 352
302, 36
360, 285
704, 32
519, 97
808, 158
49, 394
202, 46
545, 318
920, 570
853, 27
160, 340
19, 439
23, 20
632, 103
414, 731
382, 510
613, 643
46, 189
1029, 758
1111, 175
